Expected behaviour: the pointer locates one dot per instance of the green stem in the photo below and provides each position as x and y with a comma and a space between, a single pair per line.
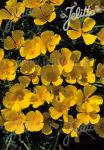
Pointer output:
99, 26
9, 141
56, 142
22, 142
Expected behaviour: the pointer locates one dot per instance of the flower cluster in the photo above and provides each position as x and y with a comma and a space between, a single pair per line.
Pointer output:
40, 98
42, 11
54, 85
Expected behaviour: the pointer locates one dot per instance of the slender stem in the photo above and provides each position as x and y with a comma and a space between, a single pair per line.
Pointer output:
9, 141
22, 142
56, 142
99, 26
89, 135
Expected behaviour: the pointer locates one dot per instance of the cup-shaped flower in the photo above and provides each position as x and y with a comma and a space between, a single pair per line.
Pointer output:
17, 98
50, 40
41, 95
34, 121
13, 121
62, 60
76, 31
27, 67
12, 11
71, 126
14, 42
51, 74
43, 14
8, 69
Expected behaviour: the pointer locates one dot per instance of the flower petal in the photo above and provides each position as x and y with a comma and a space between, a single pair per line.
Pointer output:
89, 38
73, 34
88, 24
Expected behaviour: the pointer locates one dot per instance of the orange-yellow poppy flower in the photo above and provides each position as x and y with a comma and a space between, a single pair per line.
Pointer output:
63, 60
12, 11
41, 95
13, 121
50, 40
48, 124
27, 67
8, 69
76, 31
35, 76
43, 14
32, 48
14, 42
71, 126
51, 74
17, 98
24, 80
34, 121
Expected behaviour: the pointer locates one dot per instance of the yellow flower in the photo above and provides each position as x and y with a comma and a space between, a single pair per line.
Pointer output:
99, 127
100, 72
50, 40
74, 75
56, 2
14, 121
48, 124
56, 90
13, 10
32, 48
90, 105
43, 14
100, 36
82, 71
87, 96
1, 54
87, 75
41, 95
75, 56
59, 108
62, 60
88, 117
35, 76
70, 94
34, 3
24, 80
51, 74
77, 32
7, 69
27, 67
34, 121
14, 42
71, 126
17, 98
